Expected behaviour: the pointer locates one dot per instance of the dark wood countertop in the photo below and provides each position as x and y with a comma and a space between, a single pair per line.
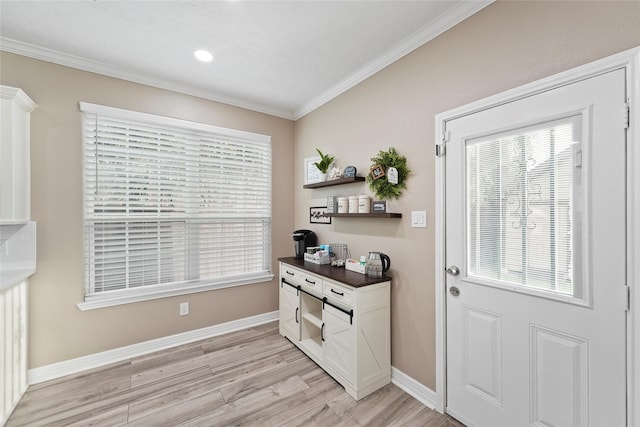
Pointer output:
339, 274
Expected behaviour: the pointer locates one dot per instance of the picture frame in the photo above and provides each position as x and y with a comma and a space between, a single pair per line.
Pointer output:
379, 206
377, 171
311, 172
349, 172
317, 215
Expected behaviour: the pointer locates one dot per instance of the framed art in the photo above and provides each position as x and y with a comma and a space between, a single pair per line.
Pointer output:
377, 171
311, 172
317, 215
379, 206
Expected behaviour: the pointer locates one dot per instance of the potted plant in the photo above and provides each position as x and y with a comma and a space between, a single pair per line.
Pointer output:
324, 164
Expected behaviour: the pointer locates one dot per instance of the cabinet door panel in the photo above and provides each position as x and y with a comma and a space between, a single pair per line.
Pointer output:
339, 343
374, 349
289, 311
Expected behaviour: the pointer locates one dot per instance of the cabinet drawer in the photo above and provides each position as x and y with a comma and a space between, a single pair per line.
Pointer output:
311, 283
338, 293
292, 275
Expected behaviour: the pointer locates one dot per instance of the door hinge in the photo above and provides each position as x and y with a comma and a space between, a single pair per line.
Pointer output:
445, 136
626, 114
627, 297
440, 150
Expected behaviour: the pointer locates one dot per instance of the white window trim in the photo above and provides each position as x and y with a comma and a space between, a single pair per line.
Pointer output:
152, 118
128, 296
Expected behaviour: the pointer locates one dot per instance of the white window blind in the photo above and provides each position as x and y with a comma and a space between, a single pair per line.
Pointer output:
524, 190
172, 205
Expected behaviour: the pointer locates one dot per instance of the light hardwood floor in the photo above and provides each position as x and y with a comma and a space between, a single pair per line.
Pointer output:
253, 377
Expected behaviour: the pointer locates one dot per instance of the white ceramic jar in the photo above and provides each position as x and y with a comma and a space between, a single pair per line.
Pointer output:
343, 205
364, 204
353, 204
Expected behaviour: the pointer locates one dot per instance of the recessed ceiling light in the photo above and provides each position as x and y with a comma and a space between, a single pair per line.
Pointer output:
203, 55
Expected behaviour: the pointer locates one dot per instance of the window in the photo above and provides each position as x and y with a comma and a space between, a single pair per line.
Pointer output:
524, 190
171, 206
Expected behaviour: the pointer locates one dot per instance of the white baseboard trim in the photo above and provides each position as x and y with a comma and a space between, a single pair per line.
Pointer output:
73, 366
422, 393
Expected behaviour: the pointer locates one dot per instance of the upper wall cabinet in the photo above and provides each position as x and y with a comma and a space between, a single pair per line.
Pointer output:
15, 175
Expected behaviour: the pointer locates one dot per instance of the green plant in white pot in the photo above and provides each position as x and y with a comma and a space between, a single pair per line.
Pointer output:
324, 164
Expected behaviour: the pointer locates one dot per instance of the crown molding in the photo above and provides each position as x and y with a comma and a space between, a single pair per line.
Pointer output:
430, 31
433, 29
73, 61
18, 96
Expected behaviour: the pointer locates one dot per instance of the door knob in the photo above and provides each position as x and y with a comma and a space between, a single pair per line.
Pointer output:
453, 270
454, 291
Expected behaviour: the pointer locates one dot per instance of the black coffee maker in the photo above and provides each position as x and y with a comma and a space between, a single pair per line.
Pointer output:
302, 239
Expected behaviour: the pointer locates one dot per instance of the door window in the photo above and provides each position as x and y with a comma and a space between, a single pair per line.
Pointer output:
523, 205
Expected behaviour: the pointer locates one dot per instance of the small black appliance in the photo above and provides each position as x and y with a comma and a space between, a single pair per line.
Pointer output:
302, 239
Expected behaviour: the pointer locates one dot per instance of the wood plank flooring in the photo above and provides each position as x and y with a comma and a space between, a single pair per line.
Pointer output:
253, 377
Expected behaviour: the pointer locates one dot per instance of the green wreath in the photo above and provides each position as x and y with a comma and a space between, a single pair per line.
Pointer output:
381, 187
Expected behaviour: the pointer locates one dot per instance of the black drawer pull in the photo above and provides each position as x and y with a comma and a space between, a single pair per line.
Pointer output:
309, 281
290, 273
337, 293
297, 309
322, 332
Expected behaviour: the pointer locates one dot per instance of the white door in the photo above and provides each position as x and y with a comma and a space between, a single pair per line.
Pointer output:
535, 249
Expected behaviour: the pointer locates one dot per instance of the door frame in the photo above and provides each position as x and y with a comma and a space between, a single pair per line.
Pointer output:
628, 60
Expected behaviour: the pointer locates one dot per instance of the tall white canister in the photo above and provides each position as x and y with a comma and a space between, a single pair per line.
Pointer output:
364, 204
353, 204
343, 205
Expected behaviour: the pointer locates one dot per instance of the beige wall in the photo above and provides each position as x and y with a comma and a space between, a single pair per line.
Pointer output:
505, 45
58, 330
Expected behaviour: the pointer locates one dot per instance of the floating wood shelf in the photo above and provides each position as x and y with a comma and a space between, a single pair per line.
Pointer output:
338, 181
364, 215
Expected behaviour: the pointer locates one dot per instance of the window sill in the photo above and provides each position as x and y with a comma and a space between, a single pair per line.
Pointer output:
110, 299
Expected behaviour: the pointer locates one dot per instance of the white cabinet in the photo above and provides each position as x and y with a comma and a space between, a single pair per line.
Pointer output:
17, 245
15, 178
341, 320
13, 347
290, 312
339, 343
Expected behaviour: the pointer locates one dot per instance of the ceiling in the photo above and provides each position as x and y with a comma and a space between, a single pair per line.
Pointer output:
284, 58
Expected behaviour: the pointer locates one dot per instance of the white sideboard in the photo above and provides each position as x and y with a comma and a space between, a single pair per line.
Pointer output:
341, 320
15, 174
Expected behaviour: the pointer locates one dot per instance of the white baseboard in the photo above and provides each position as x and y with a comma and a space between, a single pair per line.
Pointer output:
73, 366
422, 393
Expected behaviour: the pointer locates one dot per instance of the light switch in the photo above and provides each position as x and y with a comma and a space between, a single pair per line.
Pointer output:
419, 219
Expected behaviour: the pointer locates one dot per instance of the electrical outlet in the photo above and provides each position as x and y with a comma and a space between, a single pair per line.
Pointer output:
184, 309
